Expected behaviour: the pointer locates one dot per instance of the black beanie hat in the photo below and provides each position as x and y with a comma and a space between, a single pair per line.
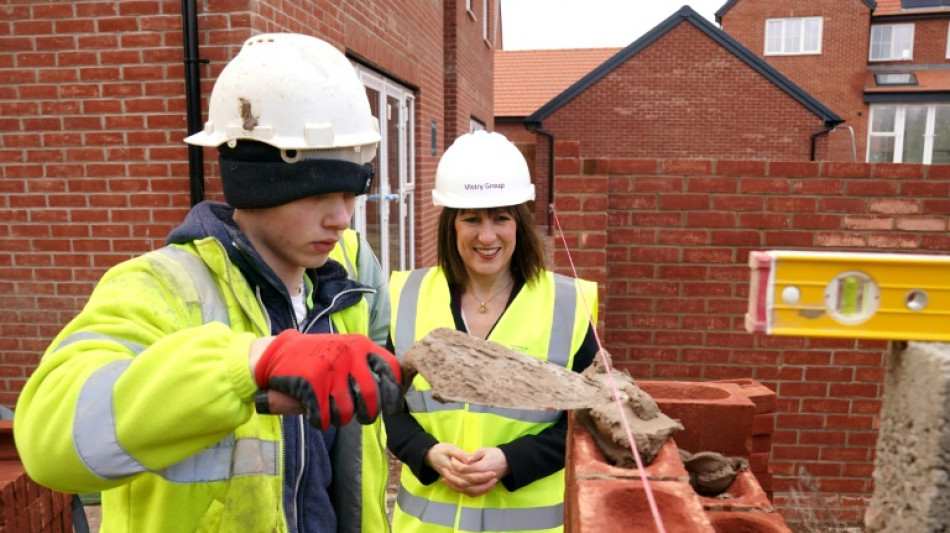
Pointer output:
253, 176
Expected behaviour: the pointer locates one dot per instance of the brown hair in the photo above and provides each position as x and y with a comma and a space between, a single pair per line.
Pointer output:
527, 262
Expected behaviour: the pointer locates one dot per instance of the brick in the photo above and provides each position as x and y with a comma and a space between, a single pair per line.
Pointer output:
763, 397
748, 522
763, 424
744, 494
761, 443
759, 462
585, 460
613, 505
716, 416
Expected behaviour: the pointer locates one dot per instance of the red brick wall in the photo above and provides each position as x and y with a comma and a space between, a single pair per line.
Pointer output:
930, 41
669, 242
680, 97
93, 169
469, 86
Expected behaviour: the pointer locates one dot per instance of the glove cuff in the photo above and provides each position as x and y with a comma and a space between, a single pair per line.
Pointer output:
262, 370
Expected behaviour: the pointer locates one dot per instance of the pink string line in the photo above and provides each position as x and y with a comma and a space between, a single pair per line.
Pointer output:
654, 510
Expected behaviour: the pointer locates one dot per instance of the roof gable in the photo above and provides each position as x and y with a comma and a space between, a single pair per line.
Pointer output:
686, 14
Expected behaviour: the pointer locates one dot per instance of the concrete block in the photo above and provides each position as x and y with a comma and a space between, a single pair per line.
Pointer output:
911, 484
717, 416
731, 522
621, 505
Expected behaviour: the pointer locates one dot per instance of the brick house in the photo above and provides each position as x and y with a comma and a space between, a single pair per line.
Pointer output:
882, 63
93, 110
667, 231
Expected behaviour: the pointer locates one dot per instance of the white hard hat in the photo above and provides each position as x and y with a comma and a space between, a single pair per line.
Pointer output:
293, 92
482, 170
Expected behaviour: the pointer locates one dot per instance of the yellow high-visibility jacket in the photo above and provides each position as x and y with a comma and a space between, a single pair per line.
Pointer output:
147, 396
548, 320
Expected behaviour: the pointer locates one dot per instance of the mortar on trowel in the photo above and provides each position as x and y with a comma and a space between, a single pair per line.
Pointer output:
462, 368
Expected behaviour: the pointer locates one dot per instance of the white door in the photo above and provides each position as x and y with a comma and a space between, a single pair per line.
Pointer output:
385, 215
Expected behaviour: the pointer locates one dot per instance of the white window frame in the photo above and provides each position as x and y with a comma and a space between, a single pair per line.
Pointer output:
395, 207
470, 9
899, 131
783, 27
895, 50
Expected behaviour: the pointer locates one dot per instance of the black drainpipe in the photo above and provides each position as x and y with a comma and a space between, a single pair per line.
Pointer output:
535, 128
196, 171
814, 137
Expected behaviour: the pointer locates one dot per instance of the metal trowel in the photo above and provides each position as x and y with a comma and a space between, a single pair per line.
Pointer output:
462, 368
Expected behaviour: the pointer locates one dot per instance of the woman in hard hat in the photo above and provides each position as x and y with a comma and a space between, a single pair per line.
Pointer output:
471, 467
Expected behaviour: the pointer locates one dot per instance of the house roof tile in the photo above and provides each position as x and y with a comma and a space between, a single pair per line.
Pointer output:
527, 79
893, 7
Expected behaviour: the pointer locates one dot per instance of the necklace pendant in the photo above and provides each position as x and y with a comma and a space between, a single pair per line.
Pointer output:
481, 308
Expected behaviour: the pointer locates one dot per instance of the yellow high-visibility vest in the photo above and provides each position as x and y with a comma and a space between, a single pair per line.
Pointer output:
555, 306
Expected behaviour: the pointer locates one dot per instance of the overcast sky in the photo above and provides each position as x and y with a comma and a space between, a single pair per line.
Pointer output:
540, 24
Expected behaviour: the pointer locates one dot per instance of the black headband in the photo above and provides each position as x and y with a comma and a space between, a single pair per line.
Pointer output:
253, 176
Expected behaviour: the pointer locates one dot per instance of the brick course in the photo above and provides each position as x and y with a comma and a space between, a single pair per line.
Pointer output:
676, 287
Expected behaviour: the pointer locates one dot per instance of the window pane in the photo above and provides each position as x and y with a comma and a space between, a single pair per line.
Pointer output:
773, 36
882, 118
881, 149
793, 35
941, 150
903, 41
812, 35
880, 42
915, 126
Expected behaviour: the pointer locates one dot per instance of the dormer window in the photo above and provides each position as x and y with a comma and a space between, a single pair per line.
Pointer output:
892, 42
896, 78
793, 36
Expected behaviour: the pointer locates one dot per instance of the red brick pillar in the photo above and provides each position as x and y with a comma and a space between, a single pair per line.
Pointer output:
763, 426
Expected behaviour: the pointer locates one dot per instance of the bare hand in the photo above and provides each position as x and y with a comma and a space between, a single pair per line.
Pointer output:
475, 474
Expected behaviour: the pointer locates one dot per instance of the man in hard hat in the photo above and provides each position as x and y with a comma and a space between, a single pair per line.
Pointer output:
162, 393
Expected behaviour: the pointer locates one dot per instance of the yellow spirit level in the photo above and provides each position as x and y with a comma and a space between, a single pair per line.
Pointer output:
849, 294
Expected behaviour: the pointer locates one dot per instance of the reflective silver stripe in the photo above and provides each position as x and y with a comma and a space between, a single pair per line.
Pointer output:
405, 330
423, 402
428, 512
94, 426
133, 347
478, 519
539, 416
562, 330
213, 307
225, 459
94, 430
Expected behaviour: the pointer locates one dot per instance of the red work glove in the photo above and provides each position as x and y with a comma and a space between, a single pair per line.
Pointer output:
332, 375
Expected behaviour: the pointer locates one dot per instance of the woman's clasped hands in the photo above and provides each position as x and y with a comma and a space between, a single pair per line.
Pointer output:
471, 474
